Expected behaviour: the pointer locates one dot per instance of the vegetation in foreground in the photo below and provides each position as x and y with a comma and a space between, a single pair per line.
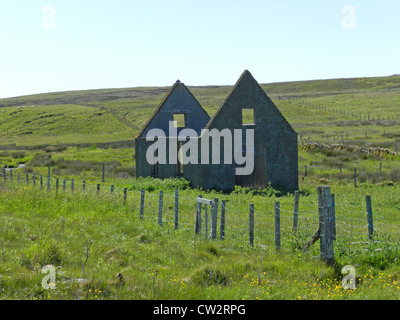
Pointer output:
102, 250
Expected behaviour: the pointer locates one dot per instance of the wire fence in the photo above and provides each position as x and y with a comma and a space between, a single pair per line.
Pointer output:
287, 225
352, 127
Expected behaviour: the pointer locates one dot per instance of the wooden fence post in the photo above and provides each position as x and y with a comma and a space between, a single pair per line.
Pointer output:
64, 184
355, 177
84, 185
214, 218
18, 177
176, 209
125, 193
333, 216
48, 178
222, 230
4, 175
206, 220
296, 210
251, 224
26, 175
112, 188
142, 192
198, 217
72, 184
277, 225
325, 225
41, 182
160, 207
57, 184
369, 217
34, 180
98, 188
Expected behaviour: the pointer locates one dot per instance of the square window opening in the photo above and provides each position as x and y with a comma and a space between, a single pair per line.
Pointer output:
180, 119
248, 116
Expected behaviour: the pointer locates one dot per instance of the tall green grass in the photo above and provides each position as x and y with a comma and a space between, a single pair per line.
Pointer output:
102, 250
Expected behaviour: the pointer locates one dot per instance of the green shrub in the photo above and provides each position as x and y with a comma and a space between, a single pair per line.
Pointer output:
268, 191
18, 154
41, 159
43, 253
209, 276
150, 184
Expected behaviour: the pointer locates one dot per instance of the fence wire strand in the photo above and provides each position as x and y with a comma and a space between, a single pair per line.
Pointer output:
350, 219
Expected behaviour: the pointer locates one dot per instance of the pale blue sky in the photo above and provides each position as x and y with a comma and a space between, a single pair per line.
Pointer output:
127, 43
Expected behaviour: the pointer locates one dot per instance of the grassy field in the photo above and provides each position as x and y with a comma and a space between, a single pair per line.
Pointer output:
102, 250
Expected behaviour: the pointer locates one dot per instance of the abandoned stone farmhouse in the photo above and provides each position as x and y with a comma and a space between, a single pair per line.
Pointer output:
249, 113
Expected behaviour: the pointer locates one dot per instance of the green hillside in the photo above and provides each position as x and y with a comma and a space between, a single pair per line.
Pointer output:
361, 111
45, 116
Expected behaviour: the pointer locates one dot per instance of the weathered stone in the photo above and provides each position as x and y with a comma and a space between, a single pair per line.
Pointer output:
179, 100
275, 141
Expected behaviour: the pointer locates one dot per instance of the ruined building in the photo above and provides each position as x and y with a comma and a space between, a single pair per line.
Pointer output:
246, 110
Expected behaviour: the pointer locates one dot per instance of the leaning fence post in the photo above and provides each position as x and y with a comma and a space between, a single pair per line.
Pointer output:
369, 217
277, 225
296, 210
222, 230
160, 207
251, 224
142, 203
214, 218
176, 208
